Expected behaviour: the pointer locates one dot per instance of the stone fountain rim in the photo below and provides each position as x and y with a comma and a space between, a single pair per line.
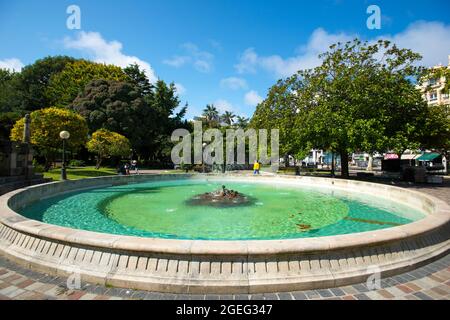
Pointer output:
437, 216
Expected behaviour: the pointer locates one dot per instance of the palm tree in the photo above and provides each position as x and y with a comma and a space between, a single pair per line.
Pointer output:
228, 117
211, 113
242, 122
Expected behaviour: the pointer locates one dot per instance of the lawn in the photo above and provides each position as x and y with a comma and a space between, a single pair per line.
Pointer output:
80, 173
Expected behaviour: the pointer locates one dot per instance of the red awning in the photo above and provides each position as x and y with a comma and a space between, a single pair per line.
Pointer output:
390, 156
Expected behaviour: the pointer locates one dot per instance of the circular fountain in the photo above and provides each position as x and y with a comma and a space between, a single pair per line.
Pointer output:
190, 233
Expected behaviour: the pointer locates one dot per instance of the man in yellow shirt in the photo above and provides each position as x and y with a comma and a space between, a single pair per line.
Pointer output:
256, 167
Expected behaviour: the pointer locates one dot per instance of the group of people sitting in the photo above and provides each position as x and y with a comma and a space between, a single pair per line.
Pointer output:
126, 168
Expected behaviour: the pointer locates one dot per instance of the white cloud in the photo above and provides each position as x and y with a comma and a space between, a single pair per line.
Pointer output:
233, 83
426, 38
430, 39
100, 50
223, 105
181, 90
201, 60
177, 61
252, 98
12, 64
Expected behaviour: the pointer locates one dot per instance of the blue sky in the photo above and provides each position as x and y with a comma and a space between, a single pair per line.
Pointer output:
226, 52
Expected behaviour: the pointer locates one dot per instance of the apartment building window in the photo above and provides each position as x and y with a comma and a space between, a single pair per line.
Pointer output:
433, 96
445, 96
432, 82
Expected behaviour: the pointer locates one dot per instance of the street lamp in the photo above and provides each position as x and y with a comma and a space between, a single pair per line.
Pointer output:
64, 135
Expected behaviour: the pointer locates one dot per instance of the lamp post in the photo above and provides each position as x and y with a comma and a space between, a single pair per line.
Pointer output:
64, 135
203, 156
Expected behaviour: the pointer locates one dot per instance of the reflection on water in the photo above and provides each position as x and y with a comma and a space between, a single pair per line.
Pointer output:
162, 209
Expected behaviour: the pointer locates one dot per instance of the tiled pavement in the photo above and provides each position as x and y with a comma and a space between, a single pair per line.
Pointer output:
431, 282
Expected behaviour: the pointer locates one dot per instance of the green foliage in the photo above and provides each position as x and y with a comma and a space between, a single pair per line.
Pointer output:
147, 120
34, 79
9, 98
211, 115
359, 98
436, 134
65, 86
80, 173
77, 163
46, 124
228, 117
7, 121
138, 78
106, 144
242, 122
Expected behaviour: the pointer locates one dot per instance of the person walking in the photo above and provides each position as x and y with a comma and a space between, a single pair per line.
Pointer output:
256, 167
134, 166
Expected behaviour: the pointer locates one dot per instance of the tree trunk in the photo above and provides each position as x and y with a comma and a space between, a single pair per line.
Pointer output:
98, 163
344, 164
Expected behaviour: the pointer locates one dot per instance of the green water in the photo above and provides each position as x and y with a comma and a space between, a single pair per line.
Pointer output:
160, 209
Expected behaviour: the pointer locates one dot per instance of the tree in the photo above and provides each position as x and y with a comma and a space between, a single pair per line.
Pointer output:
7, 121
65, 86
242, 122
9, 94
360, 98
228, 117
164, 101
147, 120
46, 124
436, 135
279, 111
118, 107
139, 79
211, 115
33, 81
106, 144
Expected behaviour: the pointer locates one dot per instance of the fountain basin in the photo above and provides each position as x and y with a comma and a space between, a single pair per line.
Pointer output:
219, 266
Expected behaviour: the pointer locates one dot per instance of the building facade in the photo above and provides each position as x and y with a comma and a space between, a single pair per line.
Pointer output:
435, 95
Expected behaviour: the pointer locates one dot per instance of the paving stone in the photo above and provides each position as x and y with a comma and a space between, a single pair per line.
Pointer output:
404, 288
198, 297
77, 295
88, 296
299, 296
337, 292
374, 295
386, 294
311, 294
183, 297
361, 296
429, 282
270, 296
284, 296
257, 297
325, 293
349, 290
139, 295
6, 291
15, 293
422, 296
170, 296
152, 296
